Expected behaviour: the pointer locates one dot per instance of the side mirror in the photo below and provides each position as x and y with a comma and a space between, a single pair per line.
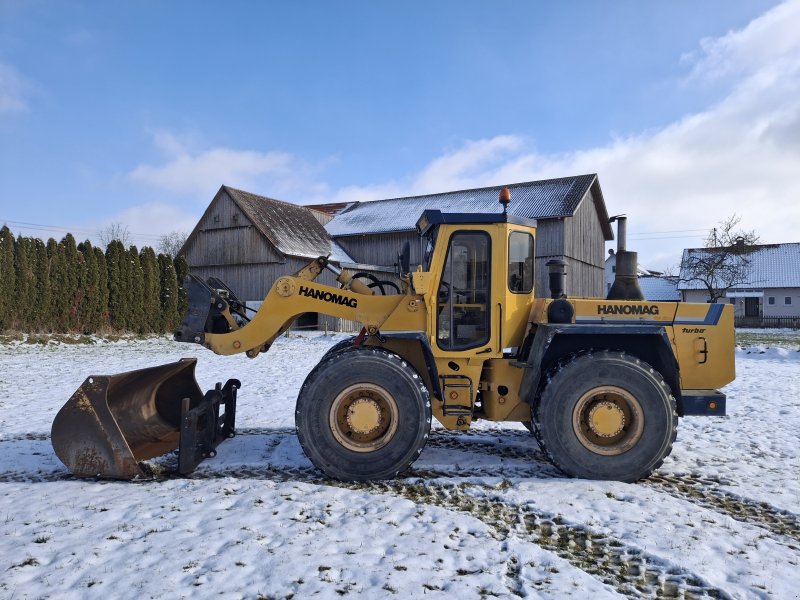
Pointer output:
404, 259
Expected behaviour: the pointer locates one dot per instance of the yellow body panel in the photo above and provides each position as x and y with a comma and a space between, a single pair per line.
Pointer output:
700, 335
705, 350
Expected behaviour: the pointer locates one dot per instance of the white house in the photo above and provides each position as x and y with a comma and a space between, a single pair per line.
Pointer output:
770, 290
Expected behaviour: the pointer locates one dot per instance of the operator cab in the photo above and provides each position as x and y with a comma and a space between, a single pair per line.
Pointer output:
471, 285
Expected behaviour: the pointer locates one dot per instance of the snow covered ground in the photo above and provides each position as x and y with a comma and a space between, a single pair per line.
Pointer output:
481, 514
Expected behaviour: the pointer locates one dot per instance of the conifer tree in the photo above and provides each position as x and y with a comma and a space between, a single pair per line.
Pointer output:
181, 271
135, 277
60, 289
90, 311
42, 311
151, 296
25, 283
169, 293
75, 275
117, 286
102, 287
7, 278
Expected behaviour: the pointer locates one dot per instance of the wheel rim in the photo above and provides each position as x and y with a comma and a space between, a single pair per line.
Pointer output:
363, 417
608, 420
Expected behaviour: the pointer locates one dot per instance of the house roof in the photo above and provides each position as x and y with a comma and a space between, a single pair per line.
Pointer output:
293, 230
771, 266
660, 289
546, 199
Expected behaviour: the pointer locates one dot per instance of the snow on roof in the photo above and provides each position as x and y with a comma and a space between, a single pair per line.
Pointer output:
292, 229
771, 266
550, 198
660, 289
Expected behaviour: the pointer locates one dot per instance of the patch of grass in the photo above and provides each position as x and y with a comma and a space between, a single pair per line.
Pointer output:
768, 338
42, 539
28, 562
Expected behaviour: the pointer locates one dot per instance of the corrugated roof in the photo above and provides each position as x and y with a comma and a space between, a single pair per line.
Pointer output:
771, 266
660, 289
546, 199
292, 229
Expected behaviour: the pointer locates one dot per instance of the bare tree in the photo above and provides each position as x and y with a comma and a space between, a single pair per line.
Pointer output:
724, 261
115, 231
171, 243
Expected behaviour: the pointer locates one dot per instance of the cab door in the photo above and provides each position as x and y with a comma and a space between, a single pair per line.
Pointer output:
464, 298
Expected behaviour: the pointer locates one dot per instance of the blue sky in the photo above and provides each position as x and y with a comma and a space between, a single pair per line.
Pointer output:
136, 112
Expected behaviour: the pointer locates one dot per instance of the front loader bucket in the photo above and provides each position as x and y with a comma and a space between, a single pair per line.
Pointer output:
112, 422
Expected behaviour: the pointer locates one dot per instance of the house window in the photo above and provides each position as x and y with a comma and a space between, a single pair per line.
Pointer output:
771, 300
613, 268
787, 300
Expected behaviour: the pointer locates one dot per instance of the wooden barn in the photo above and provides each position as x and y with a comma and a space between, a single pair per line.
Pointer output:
570, 211
248, 241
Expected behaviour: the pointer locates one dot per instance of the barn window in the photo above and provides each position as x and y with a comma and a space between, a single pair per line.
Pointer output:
520, 262
463, 297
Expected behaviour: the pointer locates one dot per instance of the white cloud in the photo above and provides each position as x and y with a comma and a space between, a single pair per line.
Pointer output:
146, 222
201, 172
12, 89
740, 155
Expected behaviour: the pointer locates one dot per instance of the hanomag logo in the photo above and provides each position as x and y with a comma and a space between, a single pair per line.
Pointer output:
328, 297
627, 309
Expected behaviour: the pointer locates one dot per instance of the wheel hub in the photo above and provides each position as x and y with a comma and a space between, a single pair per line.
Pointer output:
364, 416
606, 419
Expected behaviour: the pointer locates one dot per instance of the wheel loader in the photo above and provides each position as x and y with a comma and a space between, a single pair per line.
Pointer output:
600, 382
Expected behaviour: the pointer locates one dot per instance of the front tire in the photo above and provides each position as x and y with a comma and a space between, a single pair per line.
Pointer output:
363, 414
606, 416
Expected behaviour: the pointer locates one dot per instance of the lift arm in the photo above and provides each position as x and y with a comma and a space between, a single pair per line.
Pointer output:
210, 317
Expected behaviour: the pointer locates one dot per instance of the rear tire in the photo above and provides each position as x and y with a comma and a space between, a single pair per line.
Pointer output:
606, 416
363, 414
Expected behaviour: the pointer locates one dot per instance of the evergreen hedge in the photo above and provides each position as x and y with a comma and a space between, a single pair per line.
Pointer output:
64, 287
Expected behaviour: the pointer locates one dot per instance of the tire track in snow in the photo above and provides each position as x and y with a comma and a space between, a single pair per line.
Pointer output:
698, 490
629, 570
703, 492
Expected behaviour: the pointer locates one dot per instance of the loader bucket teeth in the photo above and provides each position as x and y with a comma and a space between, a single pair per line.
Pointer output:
112, 422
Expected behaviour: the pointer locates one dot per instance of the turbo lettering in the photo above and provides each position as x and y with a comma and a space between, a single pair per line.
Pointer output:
627, 309
328, 297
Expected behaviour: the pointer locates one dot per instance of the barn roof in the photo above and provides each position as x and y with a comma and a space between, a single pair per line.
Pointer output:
771, 266
545, 199
293, 230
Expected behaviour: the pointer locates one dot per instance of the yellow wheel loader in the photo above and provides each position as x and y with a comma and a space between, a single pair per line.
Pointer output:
600, 382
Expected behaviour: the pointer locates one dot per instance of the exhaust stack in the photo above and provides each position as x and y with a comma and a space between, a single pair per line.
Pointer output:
626, 280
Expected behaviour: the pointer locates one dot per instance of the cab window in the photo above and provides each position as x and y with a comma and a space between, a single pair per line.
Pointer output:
520, 262
463, 297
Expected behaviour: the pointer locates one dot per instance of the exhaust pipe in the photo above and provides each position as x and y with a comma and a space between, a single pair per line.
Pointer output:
626, 281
